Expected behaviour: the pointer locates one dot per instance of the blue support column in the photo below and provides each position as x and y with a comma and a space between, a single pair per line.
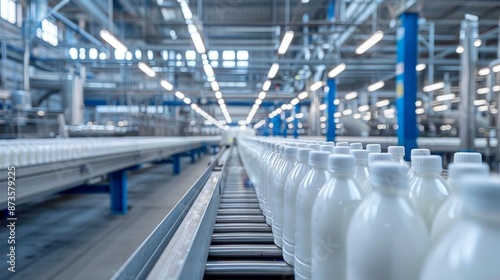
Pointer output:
176, 159
276, 125
193, 156
406, 81
285, 129
296, 122
330, 109
118, 192
265, 127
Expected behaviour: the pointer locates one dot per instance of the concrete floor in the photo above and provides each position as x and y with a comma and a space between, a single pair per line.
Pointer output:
74, 237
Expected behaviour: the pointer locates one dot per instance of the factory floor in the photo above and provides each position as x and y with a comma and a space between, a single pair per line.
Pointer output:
74, 237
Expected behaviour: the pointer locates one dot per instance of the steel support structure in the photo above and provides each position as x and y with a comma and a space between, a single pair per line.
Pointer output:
406, 81
468, 60
296, 122
330, 109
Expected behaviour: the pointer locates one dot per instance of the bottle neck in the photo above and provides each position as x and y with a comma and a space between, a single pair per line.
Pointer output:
341, 174
318, 167
363, 163
426, 173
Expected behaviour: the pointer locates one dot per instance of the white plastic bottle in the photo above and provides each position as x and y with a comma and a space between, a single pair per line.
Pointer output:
4, 156
466, 157
398, 153
314, 146
307, 192
361, 174
341, 150
289, 156
428, 190
469, 250
332, 211
342, 144
291, 187
417, 152
263, 177
387, 238
326, 148
374, 148
273, 164
452, 208
356, 146
373, 158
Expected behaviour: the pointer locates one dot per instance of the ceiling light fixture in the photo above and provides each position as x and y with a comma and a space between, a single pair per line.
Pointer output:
168, 86
273, 71
351, 95
376, 86
420, 67
267, 85
113, 41
303, 95
337, 70
433, 87
370, 42
146, 69
317, 85
285, 43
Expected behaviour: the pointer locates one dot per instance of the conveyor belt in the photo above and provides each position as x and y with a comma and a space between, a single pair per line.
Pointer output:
242, 242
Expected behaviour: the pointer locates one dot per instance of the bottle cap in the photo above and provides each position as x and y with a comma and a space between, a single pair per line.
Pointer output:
291, 153
456, 171
301, 145
344, 163
481, 192
313, 146
292, 144
341, 150
427, 163
467, 158
389, 173
329, 143
420, 152
374, 148
342, 144
359, 155
356, 146
303, 155
326, 148
396, 150
282, 148
374, 157
317, 158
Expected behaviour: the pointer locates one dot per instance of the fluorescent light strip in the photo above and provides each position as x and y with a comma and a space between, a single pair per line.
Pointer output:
370, 42
303, 95
267, 85
285, 43
113, 41
186, 12
262, 95
376, 86
337, 70
146, 69
218, 94
166, 85
351, 95
209, 71
433, 87
484, 90
440, 108
420, 67
445, 97
383, 103
198, 43
483, 71
179, 95
215, 86
273, 71
317, 85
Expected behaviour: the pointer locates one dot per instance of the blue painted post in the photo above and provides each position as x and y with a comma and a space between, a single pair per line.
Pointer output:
193, 156
296, 123
118, 192
406, 81
176, 159
330, 109
276, 125
265, 127
285, 129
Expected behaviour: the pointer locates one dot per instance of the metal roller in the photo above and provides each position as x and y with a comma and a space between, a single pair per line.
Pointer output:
241, 219
243, 238
242, 227
253, 251
239, 206
248, 268
239, 212
239, 200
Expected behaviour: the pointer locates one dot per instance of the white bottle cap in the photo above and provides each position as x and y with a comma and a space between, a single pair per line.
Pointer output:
359, 155
326, 148
317, 158
456, 171
420, 152
301, 145
481, 192
467, 158
427, 163
343, 163
291, 153
313, 146
396, 150
341, 150
291, 144
374, 148
282, 148
329, 143
356, 146
374, 157
342, 144
389, 173
303, 155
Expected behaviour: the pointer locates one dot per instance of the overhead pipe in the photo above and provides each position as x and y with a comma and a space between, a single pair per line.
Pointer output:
92, 9
71, 25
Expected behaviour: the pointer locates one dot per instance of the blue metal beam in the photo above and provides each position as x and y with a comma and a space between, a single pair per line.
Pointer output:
296, 122
406, 81
118, 192
330, 109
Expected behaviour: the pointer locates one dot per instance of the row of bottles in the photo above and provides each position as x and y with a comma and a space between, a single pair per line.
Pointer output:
342, 212
25, 152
